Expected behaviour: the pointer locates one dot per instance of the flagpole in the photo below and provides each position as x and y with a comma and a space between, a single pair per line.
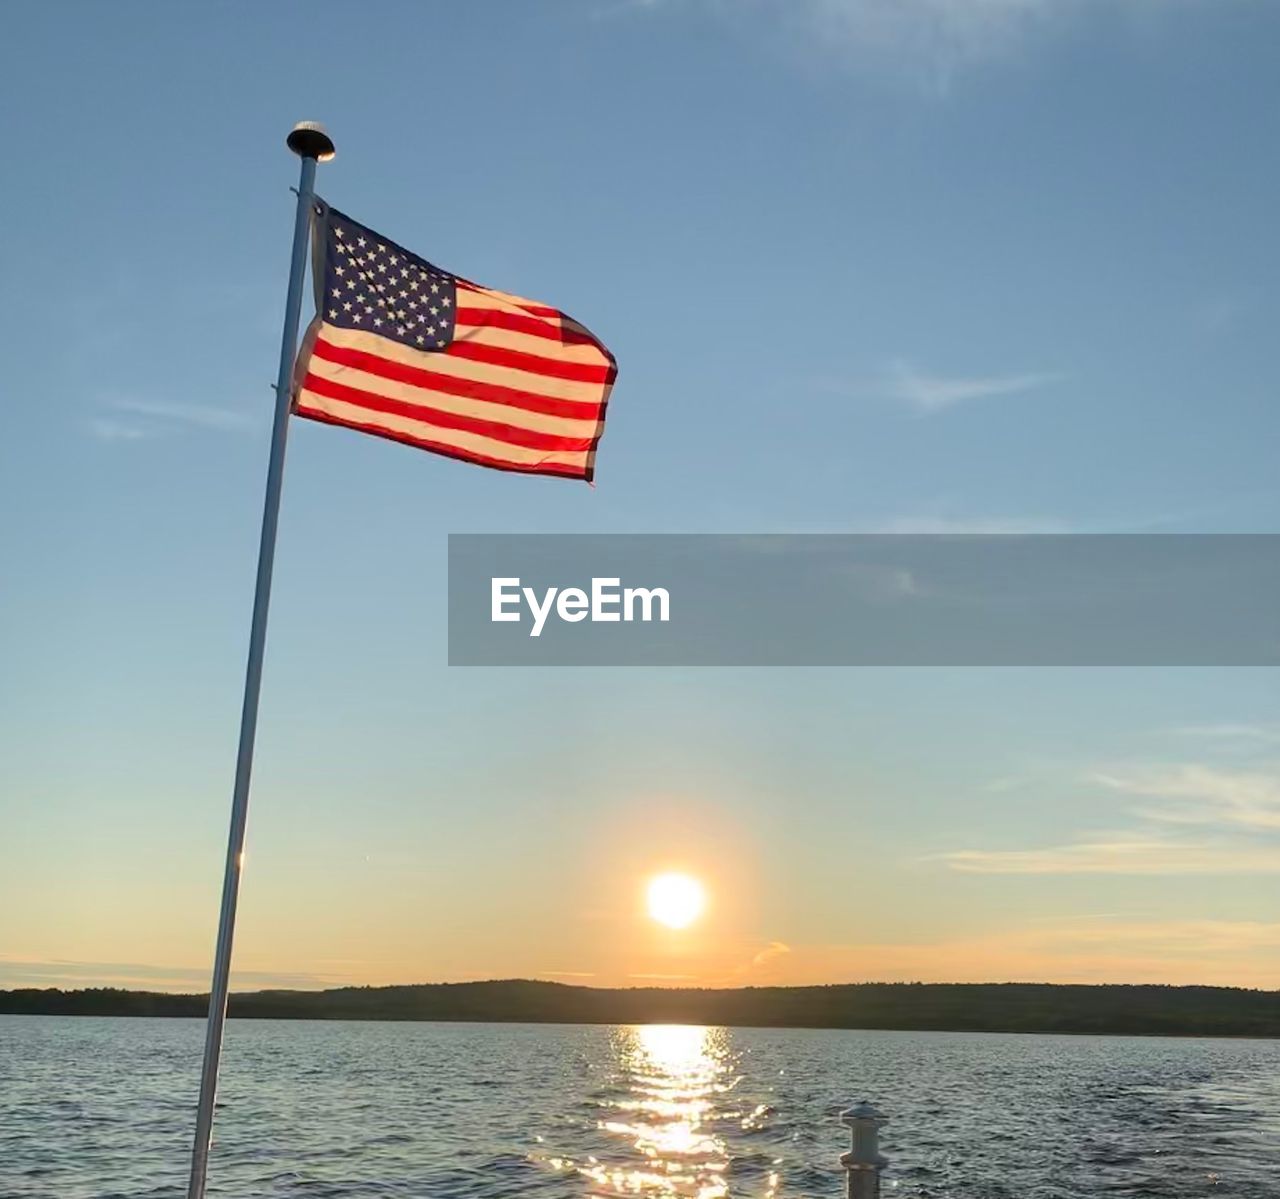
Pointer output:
311, 143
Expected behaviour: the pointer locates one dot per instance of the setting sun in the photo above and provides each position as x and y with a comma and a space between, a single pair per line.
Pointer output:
676, 900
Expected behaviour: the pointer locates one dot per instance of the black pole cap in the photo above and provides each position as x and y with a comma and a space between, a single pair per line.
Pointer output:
309, 139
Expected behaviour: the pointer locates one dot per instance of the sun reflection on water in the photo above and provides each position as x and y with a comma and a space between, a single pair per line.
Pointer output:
659, 1135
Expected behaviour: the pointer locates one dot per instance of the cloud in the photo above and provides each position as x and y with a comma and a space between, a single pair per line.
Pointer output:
70, 975
926, 393
1258, 734
1130, 855
937, 38
1236, 814
200, 415
1203, 795
129, 419
1088, 949
775, 949
114, 430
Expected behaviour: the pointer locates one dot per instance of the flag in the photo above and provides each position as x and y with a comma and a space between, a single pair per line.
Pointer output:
406, 350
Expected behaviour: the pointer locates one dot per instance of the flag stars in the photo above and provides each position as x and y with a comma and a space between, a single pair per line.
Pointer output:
388, 290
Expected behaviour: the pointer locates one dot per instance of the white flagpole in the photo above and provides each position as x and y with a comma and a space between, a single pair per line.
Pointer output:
312, 144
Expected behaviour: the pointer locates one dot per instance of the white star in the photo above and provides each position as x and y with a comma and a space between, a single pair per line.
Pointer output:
377, 322
445, 301
435, 287
418, 339
440, 345
400, 330
393, 260
337, 291
360, 241
337, 270
413, 285
356, 318
381, 248
434, 310
333, 314
431, 330
346, 308
336, 231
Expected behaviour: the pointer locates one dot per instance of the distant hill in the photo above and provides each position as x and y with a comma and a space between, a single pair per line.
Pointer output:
957, 1007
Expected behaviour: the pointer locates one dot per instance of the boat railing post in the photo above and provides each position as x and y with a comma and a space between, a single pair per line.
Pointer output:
863, 1162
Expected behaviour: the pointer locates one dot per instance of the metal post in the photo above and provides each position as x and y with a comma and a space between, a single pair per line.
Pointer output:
863, 1162
311, 143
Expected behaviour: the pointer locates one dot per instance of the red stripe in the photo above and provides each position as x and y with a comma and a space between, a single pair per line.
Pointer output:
585, 471
530, 439
499, 318
429, 380
531, 364
528, 305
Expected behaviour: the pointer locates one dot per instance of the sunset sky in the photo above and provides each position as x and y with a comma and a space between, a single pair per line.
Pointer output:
958, 265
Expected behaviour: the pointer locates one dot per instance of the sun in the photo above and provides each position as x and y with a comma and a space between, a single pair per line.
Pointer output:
675, 900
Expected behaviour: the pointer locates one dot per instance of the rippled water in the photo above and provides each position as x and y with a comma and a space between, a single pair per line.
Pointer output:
99, 1107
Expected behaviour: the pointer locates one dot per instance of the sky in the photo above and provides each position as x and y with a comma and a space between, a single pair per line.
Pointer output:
866, 265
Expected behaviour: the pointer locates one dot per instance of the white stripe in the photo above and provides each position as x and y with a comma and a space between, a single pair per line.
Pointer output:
310, 402
462, 368
506, 414
528, 343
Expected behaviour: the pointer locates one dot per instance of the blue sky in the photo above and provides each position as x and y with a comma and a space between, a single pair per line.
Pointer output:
931, 264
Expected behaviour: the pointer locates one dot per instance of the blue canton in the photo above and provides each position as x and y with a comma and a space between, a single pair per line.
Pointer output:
374, 285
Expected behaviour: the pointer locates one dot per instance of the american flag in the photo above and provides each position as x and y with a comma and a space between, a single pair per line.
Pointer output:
406, 350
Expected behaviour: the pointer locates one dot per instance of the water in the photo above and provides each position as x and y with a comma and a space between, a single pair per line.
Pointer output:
100, 1107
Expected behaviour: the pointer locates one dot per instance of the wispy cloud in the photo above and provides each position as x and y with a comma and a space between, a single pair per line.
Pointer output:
200, 415
927, 393
129, 419
1121, 855
1205, 820
1203, 795
1233, 734
1106, 948
775, 949
106, 429
70, 974
930, 43
935, 39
